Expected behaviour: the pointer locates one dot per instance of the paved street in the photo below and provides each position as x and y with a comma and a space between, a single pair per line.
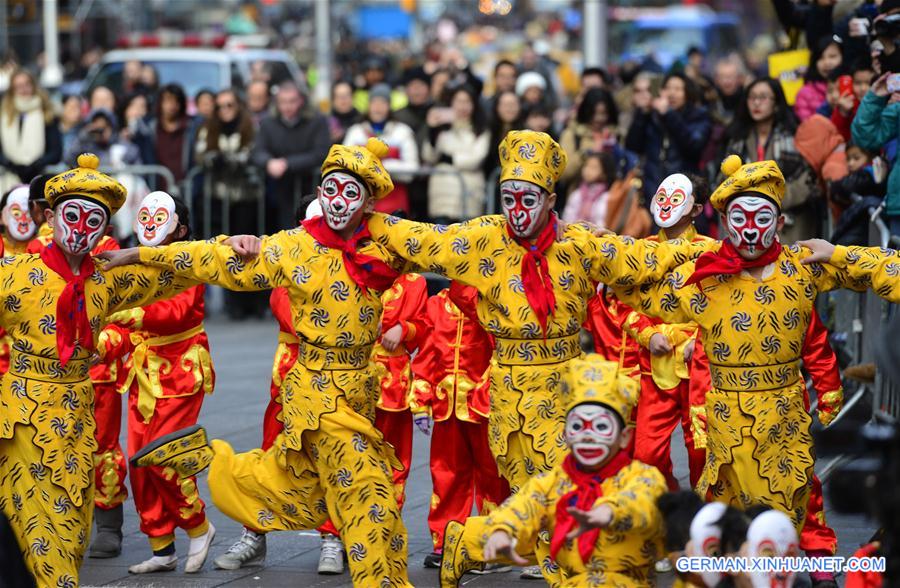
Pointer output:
242, 353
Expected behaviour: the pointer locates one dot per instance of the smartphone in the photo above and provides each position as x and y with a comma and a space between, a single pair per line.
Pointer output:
845, 85
893, 83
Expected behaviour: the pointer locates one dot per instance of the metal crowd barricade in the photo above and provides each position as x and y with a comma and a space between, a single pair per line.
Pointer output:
255, 181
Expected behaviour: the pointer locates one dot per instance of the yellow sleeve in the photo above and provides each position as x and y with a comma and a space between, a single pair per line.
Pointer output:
624, 261
523, 512
668, 299
447, 250
213, 262
634, 502
870, 267
131, 286
638, 329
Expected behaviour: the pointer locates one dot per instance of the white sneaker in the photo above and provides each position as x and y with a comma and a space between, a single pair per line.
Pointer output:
331, 558
198, 550
250, 550
495, 567
664, 566
531, 573
157, 563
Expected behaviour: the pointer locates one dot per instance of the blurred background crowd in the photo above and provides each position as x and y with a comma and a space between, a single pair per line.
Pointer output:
230, 99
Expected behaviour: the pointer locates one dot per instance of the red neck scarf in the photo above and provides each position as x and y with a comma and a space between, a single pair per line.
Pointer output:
727, 260
365, 270
587, 491
535, 274
72, 323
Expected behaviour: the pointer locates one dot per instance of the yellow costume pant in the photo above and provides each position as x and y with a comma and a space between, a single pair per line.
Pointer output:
51, 531
526, 425
340, 472
759, 450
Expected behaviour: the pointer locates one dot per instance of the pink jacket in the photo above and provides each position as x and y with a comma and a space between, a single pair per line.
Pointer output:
809, 99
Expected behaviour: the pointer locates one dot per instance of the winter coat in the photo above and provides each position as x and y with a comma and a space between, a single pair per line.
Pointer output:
875, 124
456, 148
670, 143
809, 98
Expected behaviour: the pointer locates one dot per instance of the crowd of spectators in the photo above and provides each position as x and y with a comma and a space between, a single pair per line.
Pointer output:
623, 130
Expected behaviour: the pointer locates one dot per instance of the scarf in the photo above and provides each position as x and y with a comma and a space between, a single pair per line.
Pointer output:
587, 490
727, 260
535, 274
72, 324
365, 270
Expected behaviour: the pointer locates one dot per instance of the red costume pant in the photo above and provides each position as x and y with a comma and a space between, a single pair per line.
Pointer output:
109, 461
658, 413
163, 503
396, 427
463, 472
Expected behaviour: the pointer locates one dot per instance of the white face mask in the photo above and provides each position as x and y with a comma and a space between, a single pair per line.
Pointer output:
673, 201
16, 216
78, 225
772, 534
752, 223
706, 538
592, 433
156, 219
342, 198
523, 204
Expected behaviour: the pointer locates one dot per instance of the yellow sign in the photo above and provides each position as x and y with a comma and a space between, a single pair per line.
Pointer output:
789, 67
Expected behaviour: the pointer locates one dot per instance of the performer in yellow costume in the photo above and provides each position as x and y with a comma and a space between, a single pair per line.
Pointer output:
533, 288
53, 304
330, 460
753, 300
598, 493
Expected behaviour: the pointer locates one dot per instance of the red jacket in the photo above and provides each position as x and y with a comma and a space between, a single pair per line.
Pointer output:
451, 370
401, 304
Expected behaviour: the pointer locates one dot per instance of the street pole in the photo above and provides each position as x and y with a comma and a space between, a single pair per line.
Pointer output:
323, 52
594, 30
52, 76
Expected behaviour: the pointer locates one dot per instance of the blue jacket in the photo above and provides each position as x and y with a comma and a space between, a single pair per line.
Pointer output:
875, 124
670, 143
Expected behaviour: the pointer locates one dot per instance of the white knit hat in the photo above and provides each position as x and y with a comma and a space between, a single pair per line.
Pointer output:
529, 79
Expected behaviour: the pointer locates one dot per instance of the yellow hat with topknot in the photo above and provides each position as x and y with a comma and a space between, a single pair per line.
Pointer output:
531, 156
362, 162
595, 379
85, 181
763, 177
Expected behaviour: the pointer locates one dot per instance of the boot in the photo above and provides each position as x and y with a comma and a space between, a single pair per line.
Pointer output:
186, 451
108, 538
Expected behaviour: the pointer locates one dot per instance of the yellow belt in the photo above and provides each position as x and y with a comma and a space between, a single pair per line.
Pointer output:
319, 358
147, 392
537, 351
47, 369
288, 338
755, 378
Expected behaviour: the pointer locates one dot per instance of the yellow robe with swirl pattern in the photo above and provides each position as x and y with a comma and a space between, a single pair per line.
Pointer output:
46, 410
624, 553
527, 416
328, 459
759, 447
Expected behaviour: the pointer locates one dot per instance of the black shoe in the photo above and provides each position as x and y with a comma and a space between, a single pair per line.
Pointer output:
433, 560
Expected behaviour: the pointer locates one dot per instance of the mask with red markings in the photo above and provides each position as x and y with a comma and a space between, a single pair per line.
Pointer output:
343, 198
706, 538
156, 219
524, 204
674, 200
771, 534
79, 225
592, 434
16, 216
752, 224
